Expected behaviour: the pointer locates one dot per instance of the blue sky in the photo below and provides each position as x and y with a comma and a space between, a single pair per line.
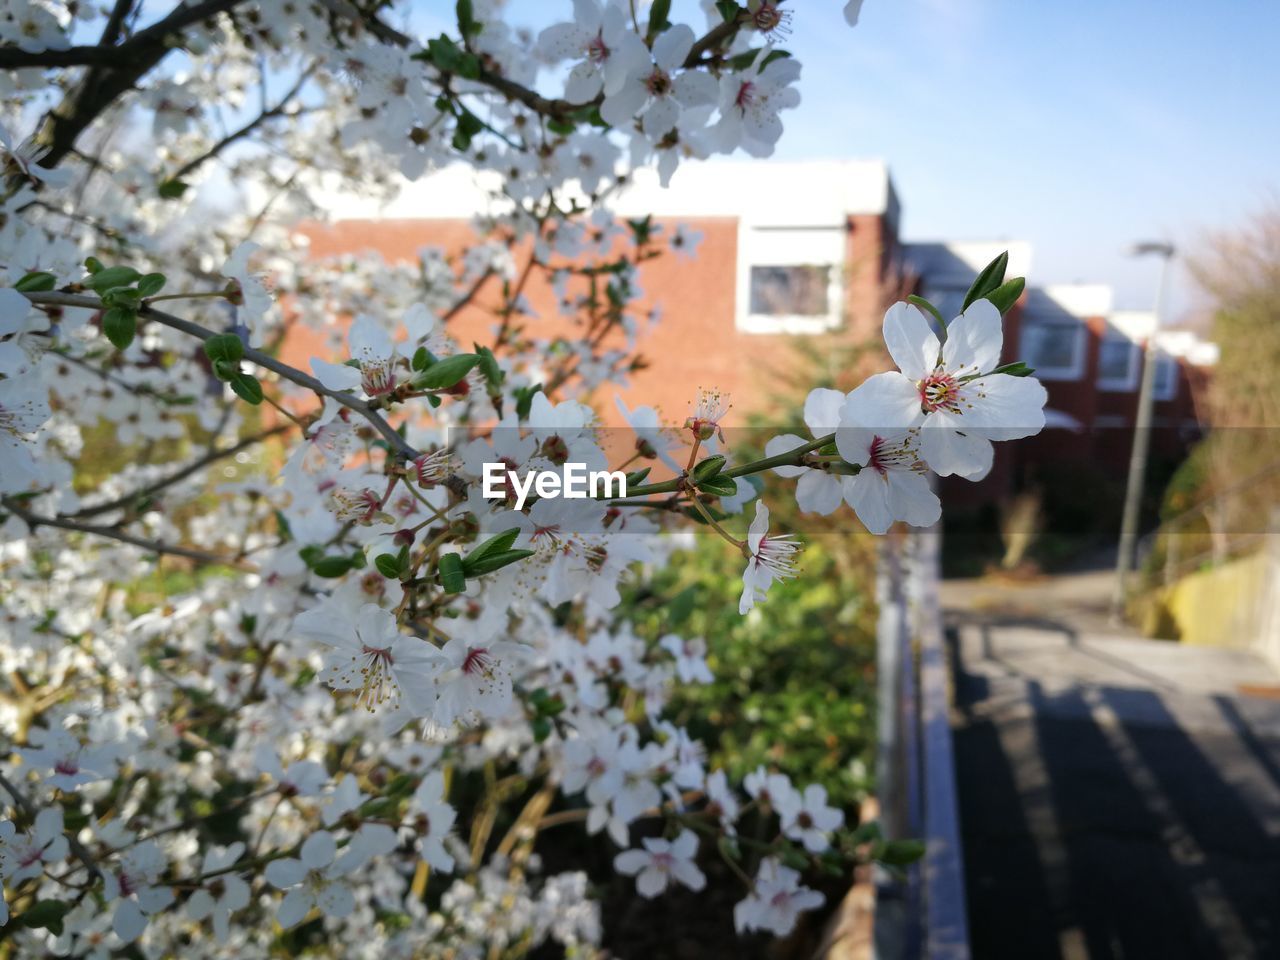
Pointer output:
1078, 126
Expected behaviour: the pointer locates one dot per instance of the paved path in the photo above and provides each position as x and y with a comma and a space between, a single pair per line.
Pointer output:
1119, 797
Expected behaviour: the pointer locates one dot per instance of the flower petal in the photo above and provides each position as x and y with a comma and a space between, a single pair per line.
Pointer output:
974, 340
911, 340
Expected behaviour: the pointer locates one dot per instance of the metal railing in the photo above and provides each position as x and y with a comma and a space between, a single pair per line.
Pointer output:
921, 912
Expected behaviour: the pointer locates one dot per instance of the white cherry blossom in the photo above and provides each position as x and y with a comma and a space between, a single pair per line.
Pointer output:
662, 863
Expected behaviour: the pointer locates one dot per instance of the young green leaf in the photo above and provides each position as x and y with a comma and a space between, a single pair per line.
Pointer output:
708, 468
151, 284
109, 277
452, 576
1007, 294
718, 486
119, 325
493, 561
991, 277
924, 304
387, 565
331, 567
495, 544
225, 346
445, 373
246, 387
36, 282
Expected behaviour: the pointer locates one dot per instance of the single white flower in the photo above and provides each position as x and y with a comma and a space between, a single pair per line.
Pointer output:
661, 863
691, 658
776, 901
26, 155
72, 763
132, 882
389, 670
473, 682
247, 290
771, 559
313, 881
302, 778
817, 491
24, 408
600, 38
750, 102
948, 389
431, 818
808, 818
371, 348
659, 91
220, 896
24, 855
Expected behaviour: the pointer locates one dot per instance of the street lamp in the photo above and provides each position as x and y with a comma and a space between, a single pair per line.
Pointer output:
1141, 432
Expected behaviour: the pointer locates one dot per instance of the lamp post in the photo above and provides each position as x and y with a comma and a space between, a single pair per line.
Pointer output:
1141, 433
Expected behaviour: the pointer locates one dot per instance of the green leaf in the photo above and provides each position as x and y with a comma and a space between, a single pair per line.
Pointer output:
45, 915
331, 566
246, 387
926, 305
899, 853
120, 325
422, 358
637, 477
1007, 294
38, 281
388, 566
493, 374
225, 346
708, 468
468, 26
495, 544
728, 10
109, 277
172, 189
151, 284
659, 14
494, 561
311, 555
452, 577
989, 279
93, 264
541, 728
1015, 369
719, 486
524, 400
445, 373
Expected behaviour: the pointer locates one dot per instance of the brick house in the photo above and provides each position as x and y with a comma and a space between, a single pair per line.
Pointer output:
811, 251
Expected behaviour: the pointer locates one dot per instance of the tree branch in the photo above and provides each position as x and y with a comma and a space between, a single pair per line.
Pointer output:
126, 63
194, 467
34, 520
397, 443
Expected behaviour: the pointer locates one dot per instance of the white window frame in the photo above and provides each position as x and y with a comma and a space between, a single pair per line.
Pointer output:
1129, 382
770, 245
1072, 371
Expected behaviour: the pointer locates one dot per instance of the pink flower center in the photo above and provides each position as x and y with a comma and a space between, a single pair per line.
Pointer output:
940, 391
746, 96
597, 51
67, 767
477, 660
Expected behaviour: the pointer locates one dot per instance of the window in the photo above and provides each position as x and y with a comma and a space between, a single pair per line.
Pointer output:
789, 278
796, 291
1166, 385
1054, 349
1118, 364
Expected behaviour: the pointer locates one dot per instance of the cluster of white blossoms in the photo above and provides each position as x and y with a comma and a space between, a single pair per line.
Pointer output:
277, 676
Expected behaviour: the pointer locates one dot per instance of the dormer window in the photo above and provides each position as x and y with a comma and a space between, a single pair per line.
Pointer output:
790, 279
